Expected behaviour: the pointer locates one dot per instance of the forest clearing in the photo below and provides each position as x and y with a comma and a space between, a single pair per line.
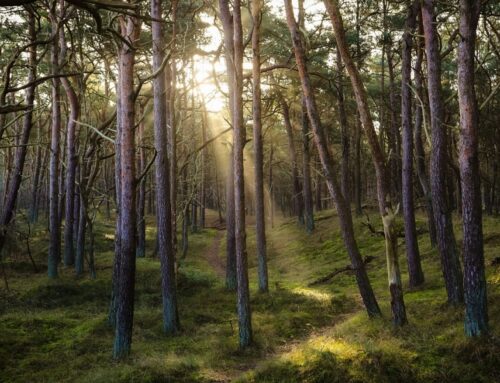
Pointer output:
249, 191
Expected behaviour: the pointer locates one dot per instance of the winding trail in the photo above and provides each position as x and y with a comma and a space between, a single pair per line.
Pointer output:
212, 255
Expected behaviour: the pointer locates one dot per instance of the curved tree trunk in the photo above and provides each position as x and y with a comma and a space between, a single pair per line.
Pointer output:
327, 162
383, 195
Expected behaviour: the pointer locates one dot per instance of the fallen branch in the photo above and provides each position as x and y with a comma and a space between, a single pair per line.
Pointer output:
327, 277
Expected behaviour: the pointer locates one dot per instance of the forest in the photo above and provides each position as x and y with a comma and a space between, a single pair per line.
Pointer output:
250, 191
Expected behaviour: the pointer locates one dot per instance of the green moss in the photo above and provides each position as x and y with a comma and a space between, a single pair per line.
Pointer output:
57, 330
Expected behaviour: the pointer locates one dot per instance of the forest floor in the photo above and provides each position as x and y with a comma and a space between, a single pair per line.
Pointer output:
56, 331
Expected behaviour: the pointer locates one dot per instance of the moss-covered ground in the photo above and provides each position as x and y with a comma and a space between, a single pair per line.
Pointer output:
56, 331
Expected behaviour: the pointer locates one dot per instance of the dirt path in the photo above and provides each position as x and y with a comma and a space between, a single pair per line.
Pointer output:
212, 255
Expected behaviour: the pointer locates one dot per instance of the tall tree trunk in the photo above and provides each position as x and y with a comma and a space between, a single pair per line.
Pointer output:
239, 138
419, 147
343, 210
141, 198
227, 24
358, 128
54, 223
297, 193
204, 159
171, 89
412, 252
442, 214
344, 134
163, 209
115, 278
35, 191
260, 218
231, 279
476, 304
383, 195
306, 153
71, 162
125, 305
393, 133
306, 172
357, 166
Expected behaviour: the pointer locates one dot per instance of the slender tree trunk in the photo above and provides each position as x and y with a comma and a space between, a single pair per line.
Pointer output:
54, 223
80, 242
185, 214
393, 133
204, 159
412, 252
35, 191
172, 126
231, 279
297, 193
125, 304
239, 137
357, 167
227, 24
141, 200
260, 218
419, 147
117, 175
442, 214
328, 166
71, 163
386, 212
476, 304
306, 172
163, 209
344, 134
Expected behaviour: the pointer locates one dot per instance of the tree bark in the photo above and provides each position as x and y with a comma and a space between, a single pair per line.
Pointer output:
419, 147
239, 134
162, 177
141, 198
125, 304
260, 218
412, 252
71, 163
306, 172
476, 304
54, 223
227, 24
442, 214
344, 134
